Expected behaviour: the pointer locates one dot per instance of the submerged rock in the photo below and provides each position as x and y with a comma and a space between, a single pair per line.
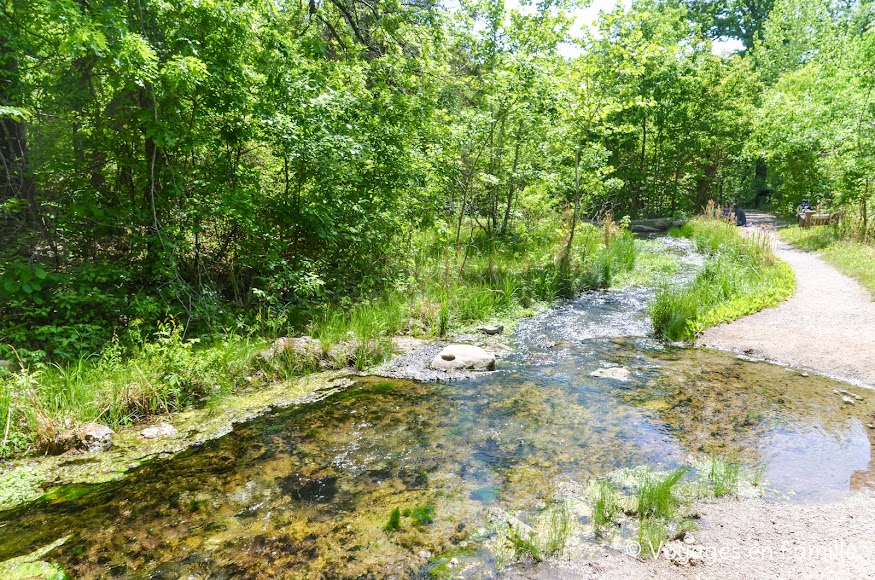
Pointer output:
616, 373
159, 431
464, 357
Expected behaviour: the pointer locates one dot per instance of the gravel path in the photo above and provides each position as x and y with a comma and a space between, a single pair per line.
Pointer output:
751, 539
828, 327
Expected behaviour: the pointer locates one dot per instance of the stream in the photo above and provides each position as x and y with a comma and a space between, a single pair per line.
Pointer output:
307, 491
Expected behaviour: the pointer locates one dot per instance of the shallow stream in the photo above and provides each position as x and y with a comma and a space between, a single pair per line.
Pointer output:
307, 491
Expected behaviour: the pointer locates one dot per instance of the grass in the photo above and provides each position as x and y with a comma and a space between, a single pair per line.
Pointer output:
741, 276
723, 477
446, 289
849, 257
162, 376
547, 538
606, 508
660, 502
656, 498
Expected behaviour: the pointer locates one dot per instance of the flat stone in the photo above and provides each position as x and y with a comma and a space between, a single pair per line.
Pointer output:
160, 431
497, 329
463, 357
616, 373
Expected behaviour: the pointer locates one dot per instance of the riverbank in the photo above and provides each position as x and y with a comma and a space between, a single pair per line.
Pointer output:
742, 539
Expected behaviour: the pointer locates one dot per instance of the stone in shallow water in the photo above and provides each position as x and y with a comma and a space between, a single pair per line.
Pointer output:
159, 431
497, 329
464, 357
94, 437
617, 373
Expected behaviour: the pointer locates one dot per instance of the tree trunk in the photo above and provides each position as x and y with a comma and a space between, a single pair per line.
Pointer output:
512, 188
576, 209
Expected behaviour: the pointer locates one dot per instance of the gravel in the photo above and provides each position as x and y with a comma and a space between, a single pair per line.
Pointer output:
828, 327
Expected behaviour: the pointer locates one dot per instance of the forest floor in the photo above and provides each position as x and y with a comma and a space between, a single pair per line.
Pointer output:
828, 327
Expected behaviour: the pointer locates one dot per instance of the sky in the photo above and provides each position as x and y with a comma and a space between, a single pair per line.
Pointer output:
587, 17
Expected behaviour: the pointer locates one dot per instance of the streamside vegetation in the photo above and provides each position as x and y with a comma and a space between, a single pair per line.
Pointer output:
741, 275
181, 183
840, 247
639, 505
166, 372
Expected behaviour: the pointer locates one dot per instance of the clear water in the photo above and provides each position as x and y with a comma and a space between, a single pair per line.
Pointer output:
306, 492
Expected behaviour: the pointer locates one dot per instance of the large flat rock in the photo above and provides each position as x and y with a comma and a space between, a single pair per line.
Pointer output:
455, 357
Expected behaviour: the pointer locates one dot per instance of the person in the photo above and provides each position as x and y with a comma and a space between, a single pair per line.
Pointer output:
740, 218
726, 210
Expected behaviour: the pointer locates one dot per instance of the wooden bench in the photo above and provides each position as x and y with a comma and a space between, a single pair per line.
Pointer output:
809, 217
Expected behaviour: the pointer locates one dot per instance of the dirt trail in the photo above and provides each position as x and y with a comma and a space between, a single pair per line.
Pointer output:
828, 327
750, 539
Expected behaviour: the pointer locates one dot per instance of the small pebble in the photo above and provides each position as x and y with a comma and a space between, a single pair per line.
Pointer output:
454, 563
848, 400
424, 554
804, 374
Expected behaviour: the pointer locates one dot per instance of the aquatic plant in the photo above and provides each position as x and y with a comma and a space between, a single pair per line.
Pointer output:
555, 524
546, 538
523, 544
652, 534
423, 515
394, 523
656, 498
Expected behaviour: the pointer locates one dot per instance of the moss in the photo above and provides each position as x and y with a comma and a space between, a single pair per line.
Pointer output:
31, 566
18, 486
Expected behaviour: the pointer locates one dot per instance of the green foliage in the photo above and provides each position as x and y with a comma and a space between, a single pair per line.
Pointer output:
394, 523
546, 538
606, 507
423, 515
741, 276
724, 476
656, 499
165, 374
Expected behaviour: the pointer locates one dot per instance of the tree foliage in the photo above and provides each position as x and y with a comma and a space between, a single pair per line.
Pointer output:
209, 159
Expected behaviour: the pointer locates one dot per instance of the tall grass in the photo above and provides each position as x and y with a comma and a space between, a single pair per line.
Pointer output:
741, 276
606, 507
163, 375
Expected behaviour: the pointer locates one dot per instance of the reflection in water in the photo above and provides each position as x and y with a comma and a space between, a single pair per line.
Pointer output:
308, 491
